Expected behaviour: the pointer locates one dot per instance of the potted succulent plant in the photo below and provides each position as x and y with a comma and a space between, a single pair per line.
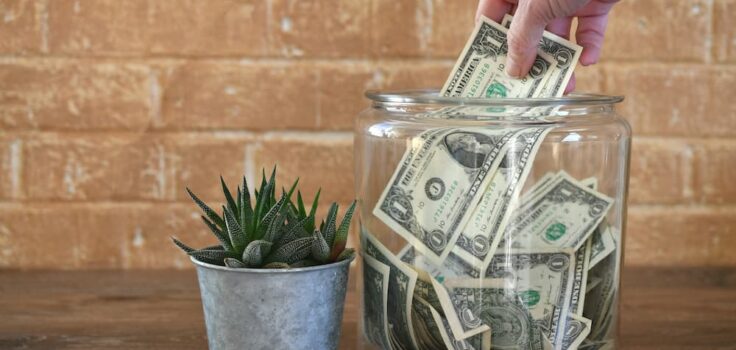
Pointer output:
277, 280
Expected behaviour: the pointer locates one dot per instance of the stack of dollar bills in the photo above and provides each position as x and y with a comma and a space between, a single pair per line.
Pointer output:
487, 266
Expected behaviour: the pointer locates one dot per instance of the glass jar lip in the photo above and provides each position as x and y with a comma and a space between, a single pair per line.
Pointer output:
431, 96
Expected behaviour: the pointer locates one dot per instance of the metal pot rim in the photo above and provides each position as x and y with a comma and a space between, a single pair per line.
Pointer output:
273, 271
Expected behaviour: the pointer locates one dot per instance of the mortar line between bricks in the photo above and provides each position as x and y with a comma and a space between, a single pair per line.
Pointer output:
709, 44
163, 58
44, 26
16, 168
677, 64
154, 59
298, 134
729, 208
710, 207
102, 204
216, 133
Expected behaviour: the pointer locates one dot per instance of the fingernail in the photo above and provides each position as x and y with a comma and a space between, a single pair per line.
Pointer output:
512, 69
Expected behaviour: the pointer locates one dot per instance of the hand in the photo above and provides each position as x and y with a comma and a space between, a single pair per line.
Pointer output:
533, 16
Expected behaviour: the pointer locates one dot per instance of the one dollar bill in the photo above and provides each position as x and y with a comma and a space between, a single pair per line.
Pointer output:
481, 235
565, 54
437, 184
479, 71
400, 291
564, 215
375, 294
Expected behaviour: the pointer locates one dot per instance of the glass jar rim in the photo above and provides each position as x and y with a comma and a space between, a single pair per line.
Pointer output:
431, 96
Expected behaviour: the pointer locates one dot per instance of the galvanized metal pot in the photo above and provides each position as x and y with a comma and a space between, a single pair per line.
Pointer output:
271, 309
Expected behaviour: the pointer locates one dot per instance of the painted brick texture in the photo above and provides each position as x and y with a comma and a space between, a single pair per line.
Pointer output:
109, 109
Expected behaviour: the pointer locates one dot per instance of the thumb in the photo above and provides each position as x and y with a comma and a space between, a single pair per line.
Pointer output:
523, 39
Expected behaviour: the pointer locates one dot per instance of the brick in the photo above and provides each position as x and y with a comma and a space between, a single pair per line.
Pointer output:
677, 100
677, 236
239, 96
133, 167
197, 162
21, 26
147, 236
589, 79
437, 28
724, 30
714, 165
452, 23
45, 94
60, 237
660, 30
416, 76
189, 27
324, 161
94, 167
320, 28
661, 172
10, 150
98, 236
342, 87
396, 26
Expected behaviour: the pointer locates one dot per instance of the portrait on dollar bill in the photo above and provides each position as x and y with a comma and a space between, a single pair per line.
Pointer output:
470, 149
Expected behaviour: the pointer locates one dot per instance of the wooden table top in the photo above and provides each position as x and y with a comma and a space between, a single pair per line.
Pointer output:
662, 309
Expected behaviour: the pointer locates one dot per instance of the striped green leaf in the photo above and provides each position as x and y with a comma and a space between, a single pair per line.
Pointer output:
255, 252
237, 236
320, 249
298, 249
341, 238
207, 210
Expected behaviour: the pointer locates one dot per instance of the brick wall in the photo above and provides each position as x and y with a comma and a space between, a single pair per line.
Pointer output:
109, 108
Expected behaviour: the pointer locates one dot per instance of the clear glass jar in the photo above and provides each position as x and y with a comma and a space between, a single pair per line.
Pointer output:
490, 223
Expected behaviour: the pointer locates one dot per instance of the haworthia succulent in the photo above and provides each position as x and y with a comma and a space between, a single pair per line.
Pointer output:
276, 265
294, 230
238, 200
272, 188
234, 263
266, 221
221, 236
293, 251
246, 211
348, 253
330, 224
275, 228
246, 215
341, 238
255, 252
187, 249
304, 263
292, 189
246, 191
230, 201
261, 200
312, 213
248, 231
237, 237
211, 256
300, 205
207, 210
320, 249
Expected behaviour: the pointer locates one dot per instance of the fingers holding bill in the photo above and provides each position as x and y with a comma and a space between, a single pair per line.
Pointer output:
494, 9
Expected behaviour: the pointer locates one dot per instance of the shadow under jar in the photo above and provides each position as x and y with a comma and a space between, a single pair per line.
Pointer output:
490, 224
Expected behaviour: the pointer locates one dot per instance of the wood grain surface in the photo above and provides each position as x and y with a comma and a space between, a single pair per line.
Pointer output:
662, 309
